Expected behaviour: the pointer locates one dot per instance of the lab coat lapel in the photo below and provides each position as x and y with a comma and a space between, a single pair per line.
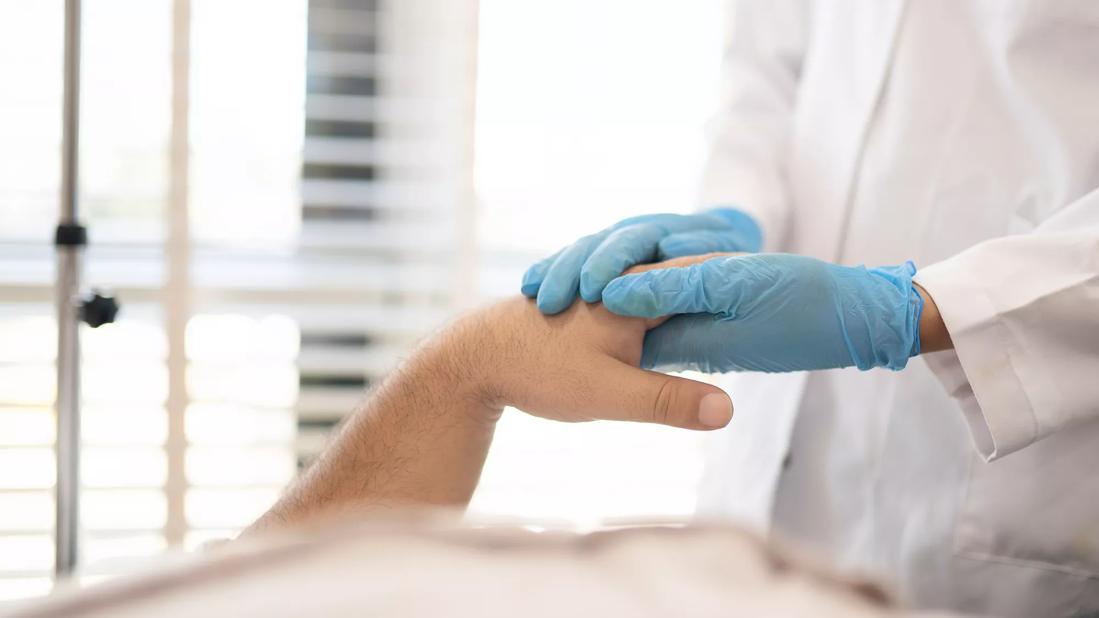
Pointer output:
745, 460
843, 90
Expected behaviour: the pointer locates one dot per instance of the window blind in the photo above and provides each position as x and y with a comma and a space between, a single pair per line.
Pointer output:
331, 225
327, 194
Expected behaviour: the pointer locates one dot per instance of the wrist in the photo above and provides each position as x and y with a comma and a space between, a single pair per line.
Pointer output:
491, 353
459, 364
892, 302
933, 335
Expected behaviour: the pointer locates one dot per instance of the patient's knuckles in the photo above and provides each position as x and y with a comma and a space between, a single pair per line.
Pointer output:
680, 262
528, 343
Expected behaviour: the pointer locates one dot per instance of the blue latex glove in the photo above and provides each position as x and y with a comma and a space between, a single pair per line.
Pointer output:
773, 312
590, 263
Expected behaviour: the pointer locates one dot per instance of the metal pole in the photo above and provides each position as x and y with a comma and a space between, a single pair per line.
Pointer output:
70, 241
177, 305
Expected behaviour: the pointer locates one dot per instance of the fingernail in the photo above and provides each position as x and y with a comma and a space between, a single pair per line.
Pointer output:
715, 410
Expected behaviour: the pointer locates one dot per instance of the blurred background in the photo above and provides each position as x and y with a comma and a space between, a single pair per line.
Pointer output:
355, 172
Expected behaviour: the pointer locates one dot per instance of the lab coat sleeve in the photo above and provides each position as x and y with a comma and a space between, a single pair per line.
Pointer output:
1023, 312
766, 42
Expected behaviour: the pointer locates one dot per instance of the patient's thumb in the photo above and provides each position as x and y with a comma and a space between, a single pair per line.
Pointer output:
631, 394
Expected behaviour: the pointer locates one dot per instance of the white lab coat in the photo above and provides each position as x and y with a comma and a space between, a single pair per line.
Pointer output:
963, 135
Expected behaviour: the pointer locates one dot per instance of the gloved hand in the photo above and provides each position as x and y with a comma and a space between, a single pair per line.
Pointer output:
590, 263
773, 312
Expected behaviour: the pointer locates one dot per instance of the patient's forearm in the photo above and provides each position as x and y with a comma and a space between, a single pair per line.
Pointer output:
423, 435
421, 438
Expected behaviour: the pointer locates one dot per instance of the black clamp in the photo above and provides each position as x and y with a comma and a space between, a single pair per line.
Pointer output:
97, 309
70, 235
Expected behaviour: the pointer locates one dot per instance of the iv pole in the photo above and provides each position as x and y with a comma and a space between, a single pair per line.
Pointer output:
69, 240
95, 309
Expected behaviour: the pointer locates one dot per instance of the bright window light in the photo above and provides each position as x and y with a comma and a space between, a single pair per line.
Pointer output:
571, 138
228, 508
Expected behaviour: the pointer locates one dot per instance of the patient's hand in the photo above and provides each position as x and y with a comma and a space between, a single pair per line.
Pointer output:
582, 365
680, 262
422, 435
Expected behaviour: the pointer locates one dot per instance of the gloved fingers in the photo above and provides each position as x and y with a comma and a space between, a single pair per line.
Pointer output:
748, 230
642, 239
616, 391
717, 285
738, 224
623, 248
532, 279
713, 286
701, 242
562, 280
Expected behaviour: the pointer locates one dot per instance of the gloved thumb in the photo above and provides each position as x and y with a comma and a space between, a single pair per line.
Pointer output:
617, 391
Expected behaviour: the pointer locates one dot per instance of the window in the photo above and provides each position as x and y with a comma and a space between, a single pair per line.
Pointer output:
331, 223
571, 138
